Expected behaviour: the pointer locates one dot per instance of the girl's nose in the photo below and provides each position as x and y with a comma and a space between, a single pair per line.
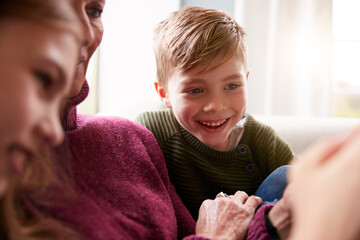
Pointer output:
50, 130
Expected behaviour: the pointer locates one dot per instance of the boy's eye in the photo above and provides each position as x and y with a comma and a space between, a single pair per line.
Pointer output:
94, 12
195, 91
231, 86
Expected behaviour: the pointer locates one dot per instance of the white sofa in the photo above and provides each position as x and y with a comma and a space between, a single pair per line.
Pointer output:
299, 133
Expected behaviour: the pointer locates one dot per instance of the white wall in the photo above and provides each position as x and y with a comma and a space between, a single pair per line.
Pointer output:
127, 64
289, 55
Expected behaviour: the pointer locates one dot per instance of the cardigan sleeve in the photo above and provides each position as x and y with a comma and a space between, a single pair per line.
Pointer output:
185, 222
194, 237
258, 229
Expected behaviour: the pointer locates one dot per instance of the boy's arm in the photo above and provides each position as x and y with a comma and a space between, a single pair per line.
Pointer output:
283, 152
270, 150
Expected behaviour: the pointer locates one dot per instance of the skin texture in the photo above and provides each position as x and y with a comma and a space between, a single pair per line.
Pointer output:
89, 12
209, 104
36, 75
280, 215
326, 185
227, 217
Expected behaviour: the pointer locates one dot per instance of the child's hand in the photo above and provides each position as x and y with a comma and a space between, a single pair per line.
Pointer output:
326, 189
280, 215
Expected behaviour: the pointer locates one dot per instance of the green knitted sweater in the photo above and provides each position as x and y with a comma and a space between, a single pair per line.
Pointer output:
199, 172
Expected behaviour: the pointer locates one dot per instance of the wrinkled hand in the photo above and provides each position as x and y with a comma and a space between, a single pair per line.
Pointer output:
326, 188
227, 217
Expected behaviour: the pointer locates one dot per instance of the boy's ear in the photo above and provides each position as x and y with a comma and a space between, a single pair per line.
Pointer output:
163, 94
247, 76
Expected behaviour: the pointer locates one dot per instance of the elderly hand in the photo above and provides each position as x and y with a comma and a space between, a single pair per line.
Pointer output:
326, 188
227, 217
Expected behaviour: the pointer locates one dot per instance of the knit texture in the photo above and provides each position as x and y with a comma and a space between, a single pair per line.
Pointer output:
257, 229
199, 172
117, 180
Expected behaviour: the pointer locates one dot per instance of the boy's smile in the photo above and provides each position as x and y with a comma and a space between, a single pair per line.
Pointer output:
208, 104
213, 124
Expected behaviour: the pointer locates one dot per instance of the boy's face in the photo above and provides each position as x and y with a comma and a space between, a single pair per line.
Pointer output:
210, 104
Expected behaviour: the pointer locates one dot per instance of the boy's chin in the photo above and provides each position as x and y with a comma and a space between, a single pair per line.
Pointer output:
216, 145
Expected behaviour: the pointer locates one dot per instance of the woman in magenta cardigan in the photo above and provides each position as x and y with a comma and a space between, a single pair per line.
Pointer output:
120, 179
115, 174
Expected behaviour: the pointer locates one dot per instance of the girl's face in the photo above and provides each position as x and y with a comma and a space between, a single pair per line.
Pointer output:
89, 12
37, 64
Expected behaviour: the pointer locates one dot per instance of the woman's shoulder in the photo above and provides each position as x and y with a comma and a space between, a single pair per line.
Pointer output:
110, 126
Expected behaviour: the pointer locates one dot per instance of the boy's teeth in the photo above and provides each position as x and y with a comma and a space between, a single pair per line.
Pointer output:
214, 124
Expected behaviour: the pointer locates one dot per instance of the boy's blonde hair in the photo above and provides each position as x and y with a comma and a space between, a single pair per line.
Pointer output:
194, 36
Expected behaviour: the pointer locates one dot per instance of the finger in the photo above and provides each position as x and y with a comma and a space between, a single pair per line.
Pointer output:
355, 131
350, 152
253, 201
230, 196
332, 145
240, 197
320, 151
221, 194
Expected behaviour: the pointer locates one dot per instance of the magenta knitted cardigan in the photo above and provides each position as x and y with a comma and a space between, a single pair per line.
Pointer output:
119, 183
120, 180
258, 229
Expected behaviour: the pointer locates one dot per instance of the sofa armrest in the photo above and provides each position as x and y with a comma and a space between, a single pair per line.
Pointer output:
301, 132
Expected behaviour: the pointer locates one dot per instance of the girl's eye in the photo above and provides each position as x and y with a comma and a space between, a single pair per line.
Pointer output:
231, 86
195, 91
94, 12
44, 79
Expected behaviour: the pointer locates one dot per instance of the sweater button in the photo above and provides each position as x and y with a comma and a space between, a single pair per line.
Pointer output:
242, 149
250, 167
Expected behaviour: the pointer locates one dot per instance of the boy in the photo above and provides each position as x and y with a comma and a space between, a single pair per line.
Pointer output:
209, 142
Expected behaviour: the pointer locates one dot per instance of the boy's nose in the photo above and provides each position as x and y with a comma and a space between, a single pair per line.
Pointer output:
215, 105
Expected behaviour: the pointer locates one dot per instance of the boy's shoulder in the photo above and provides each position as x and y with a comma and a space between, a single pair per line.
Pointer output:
162, 123
254, 130
253, 124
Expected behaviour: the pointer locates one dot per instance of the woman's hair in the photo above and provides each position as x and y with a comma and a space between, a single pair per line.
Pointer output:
18, 217
56, 14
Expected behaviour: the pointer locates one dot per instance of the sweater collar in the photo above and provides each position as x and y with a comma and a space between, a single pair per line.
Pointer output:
69, 116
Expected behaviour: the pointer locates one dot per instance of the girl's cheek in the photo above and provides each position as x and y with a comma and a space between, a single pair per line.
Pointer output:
3, 186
